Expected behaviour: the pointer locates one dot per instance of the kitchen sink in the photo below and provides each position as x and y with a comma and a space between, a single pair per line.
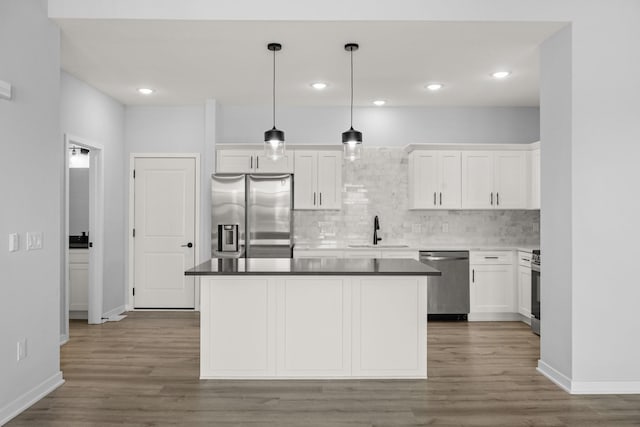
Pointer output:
370, 245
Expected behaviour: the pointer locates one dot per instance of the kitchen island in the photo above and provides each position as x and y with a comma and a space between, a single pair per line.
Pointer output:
313, 318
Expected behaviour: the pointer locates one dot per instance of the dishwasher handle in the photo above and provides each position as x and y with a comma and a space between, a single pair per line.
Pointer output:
443, 258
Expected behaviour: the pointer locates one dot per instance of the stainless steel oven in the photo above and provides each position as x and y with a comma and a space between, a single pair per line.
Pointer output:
535, 292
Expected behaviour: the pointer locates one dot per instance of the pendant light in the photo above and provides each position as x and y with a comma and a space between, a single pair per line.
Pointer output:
274, 138
352, 139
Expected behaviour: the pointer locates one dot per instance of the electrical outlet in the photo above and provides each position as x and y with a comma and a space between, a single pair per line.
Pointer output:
34, 240
415, 228
14, 242
445, 227
22, 349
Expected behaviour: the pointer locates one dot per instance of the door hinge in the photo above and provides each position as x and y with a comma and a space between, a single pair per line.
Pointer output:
134, 174
134, 232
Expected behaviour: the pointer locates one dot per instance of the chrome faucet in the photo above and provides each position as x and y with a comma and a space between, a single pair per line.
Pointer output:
376, 227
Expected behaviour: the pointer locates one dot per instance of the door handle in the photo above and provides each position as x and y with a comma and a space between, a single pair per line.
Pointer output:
188, 245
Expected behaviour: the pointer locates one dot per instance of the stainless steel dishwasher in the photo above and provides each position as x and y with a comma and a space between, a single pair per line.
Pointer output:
448, 295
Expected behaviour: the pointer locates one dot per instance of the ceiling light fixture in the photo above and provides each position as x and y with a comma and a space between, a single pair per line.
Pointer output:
145, 91
319, 85
352, 139
274, 138
379, 102
501, 74
434, 86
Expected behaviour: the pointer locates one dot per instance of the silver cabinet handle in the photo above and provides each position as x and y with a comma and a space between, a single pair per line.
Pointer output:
473, 276
314, 198
320, 198
491, 257
497, 198
440, 199
434, 198
257, 162
491, 199
251, 165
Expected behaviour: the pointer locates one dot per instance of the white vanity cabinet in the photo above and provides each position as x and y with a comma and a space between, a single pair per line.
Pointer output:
247, 160
434, 179
492, 286
318, 180
494, 180
524, 285
78, 279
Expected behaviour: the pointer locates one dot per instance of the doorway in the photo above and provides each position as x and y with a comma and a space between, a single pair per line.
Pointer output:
164, 206
83, 231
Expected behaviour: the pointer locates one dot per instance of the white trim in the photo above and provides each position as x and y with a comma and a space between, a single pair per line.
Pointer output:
494, 317
555, 376
330, 146
64, 338
27, 399
475, 147
129, 301
115, 312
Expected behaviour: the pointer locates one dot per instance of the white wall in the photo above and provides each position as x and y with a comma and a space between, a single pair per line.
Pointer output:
89, 114
384, 126
173, 130
30, 184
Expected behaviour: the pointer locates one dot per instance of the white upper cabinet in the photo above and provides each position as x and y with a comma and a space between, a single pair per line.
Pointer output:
317, 180
252, 161
434, 180
535, 179
494, 180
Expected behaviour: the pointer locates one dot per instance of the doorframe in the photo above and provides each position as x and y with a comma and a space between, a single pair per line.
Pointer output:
96, 230
131, 250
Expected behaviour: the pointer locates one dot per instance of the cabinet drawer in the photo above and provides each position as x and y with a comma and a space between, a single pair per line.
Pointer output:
362, 253
491, 257
317, 253
400, 254
78, 256
524, 259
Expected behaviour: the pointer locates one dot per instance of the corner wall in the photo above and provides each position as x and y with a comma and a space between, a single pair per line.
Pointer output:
30, 184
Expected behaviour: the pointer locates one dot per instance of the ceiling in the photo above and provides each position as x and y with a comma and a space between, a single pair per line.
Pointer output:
187, 62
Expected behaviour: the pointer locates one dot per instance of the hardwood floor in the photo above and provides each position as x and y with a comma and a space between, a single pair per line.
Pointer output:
143, 371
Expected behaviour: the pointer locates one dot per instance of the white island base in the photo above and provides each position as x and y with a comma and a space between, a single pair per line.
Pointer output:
277, 327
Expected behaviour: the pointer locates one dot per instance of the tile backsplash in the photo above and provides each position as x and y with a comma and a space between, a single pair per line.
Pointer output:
378, 185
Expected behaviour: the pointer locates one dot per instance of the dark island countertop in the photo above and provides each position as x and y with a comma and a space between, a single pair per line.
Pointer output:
312, 266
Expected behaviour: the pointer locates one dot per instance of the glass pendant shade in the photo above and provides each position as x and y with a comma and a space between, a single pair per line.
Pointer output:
274, 138
352, 151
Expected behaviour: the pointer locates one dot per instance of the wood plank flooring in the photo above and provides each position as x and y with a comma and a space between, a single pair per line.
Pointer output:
143, 371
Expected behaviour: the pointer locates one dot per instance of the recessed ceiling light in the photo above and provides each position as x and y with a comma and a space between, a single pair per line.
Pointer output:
145, 91
318, 85
379, 102
434, 86
500, 74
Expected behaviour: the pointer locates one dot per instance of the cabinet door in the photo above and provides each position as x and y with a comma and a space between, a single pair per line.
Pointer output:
265, 164
524, 291
423, 180
477, 180
235, 161
450, 180
317, 253
79, 287
387, 253
329, 180
492, 289
305, 180
510, 182
362, 253
535, 179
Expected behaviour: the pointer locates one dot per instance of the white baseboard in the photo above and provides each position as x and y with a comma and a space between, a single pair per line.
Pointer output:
112, 313
494, 317
64, 338
23, 402
588, 387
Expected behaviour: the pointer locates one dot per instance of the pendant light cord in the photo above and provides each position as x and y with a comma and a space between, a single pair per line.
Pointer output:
351, 51
274, 88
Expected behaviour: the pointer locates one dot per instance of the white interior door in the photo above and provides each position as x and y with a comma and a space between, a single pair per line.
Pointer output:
164, 204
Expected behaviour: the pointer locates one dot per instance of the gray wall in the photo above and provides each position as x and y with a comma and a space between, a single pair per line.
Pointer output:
89, 114
78, 201
378, 185
31, 188
384, 126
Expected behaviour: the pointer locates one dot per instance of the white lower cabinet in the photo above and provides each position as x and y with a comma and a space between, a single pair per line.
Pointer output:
78, 279
524, 285
492, 286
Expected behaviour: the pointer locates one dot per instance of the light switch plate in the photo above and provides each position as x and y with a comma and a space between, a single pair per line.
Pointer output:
5, 90
14, 242
34, 240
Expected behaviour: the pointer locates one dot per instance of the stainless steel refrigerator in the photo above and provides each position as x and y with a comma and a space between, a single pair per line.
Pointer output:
251, 216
